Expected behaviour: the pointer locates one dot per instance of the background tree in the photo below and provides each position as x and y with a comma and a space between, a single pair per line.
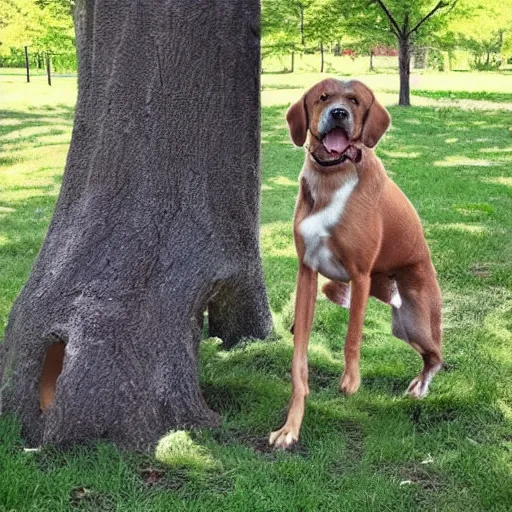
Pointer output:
20, 24
157, 221
407, 21
482, 28
284, 26
362, 32
323, 26
43, 25
506, 49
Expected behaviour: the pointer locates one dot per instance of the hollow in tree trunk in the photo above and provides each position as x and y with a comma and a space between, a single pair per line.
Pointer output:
157, 221
404, 58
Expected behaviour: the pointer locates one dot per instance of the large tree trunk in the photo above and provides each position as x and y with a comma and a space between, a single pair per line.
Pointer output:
404, 58
156, 222
301, 17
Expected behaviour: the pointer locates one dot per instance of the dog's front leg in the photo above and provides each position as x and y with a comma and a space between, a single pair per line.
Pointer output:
351, 378
304, 312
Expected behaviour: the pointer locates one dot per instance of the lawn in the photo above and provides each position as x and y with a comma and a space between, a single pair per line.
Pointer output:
375, 451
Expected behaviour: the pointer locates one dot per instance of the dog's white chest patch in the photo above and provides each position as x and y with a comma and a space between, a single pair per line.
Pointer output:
316, 230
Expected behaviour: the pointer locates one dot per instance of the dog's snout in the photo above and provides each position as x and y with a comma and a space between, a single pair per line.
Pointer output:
339, 113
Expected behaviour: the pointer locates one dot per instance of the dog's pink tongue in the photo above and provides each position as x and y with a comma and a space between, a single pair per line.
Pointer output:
336, 141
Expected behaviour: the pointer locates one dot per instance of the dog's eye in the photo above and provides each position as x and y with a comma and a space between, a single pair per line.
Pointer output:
354, 100
324, 97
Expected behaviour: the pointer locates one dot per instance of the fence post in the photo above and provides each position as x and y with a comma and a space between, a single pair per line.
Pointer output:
27, 64
48, 68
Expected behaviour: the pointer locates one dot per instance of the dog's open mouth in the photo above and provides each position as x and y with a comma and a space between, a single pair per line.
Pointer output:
336, 142
338, 146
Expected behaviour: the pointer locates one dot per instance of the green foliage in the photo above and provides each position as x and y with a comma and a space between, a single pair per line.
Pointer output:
435, 60
323, 22
281, 26
177, 449
482, 28
368, 17
506, 49
43, 25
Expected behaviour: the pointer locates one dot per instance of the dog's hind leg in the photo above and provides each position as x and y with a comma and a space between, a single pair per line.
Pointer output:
382, 287
418, 322
338, 292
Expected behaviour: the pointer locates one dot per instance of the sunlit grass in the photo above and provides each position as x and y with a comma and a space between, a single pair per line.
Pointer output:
374, 451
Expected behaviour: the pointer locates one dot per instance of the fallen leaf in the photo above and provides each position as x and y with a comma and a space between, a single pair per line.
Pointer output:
80, 493
151, 476
482, 271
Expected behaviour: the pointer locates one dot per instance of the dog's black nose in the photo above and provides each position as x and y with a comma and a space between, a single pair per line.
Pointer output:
339, 113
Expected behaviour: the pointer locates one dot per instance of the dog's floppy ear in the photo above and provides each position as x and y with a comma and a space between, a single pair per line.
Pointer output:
297, 119
376, 123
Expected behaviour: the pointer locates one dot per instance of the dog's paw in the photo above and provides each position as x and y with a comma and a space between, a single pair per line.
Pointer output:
350, 383
284, 438
418, 388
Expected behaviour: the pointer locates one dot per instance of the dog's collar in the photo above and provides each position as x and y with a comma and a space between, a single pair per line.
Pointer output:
340, 160
329, 163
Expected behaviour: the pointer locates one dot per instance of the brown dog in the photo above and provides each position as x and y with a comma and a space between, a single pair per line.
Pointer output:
356, 227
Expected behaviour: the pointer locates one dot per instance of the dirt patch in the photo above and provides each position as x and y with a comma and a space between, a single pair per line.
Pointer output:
421, 475
481, 270
82, 498
256, 442
322, 379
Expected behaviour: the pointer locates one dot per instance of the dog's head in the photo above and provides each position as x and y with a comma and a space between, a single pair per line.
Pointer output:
333, 115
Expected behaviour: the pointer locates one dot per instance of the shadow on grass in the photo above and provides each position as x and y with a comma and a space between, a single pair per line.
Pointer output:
45, 115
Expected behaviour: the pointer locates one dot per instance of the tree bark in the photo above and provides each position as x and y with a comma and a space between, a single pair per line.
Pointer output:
321, 57
301, 17
371, 61
293, 63
404, 58
27, 64
157, 221
49, 68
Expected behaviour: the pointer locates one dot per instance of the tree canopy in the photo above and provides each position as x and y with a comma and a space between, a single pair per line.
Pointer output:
44, 25
482, 27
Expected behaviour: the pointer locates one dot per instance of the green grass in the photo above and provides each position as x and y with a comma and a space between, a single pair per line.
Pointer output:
373, 451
